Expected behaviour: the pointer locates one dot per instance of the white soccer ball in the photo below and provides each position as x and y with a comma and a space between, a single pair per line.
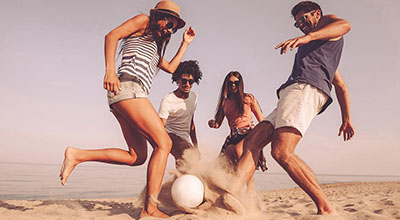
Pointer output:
187, 191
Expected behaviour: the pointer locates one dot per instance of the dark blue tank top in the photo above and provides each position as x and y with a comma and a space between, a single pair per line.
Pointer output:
316, 63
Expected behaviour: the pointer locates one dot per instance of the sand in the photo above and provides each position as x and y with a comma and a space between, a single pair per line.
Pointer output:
358, 200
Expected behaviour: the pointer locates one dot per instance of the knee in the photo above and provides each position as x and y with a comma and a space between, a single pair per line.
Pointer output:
140, 160
281, 156
165, 146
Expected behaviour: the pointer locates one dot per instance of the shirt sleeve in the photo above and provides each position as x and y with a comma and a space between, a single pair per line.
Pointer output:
164, 110
254, 101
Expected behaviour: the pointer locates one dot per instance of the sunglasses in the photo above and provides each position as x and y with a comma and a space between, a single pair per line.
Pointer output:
190, 81
170, 25
302, 19
230, 83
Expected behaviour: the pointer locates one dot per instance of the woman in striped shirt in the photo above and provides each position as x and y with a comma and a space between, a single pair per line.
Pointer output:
144, 41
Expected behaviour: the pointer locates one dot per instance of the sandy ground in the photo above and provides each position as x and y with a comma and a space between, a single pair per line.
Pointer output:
377, 200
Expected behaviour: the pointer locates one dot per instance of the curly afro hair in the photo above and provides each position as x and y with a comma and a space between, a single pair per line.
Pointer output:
188, 67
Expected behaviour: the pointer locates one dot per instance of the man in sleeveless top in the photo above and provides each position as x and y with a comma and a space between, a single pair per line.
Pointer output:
177, 112
303, 96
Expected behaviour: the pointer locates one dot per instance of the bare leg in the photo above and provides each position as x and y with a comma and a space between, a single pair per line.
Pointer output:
251, 189
253, 143
283, 145
136, 155
139, 121
143, 115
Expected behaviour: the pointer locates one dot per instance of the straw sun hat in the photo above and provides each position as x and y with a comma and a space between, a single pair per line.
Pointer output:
169, 7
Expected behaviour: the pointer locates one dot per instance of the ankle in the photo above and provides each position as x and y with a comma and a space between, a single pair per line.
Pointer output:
327, 211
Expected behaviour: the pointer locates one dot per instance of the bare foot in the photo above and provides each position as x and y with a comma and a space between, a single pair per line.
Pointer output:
68, 165
331, 212
155, 212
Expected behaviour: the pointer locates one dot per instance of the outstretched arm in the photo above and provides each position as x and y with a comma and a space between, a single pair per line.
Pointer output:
171, 66
329, 27
343, 97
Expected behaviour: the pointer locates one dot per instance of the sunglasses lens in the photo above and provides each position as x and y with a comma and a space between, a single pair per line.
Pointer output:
302, 19
169, 25
231, 83
184, 81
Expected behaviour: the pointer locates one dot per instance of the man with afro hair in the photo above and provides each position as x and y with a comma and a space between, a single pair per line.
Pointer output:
177, 113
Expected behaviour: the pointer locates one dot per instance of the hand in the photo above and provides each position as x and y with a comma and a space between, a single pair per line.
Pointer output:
212, 123
293, 43
111, 83
189, 35
347, 129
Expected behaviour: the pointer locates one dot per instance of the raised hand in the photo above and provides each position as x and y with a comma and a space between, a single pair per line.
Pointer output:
189, 35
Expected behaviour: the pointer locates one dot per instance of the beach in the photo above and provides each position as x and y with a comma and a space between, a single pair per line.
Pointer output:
354, 200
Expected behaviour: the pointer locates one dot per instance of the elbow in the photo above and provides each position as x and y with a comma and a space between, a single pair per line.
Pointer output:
341, 86
110, 37
171, 69
168, 70
166, 67
346, 27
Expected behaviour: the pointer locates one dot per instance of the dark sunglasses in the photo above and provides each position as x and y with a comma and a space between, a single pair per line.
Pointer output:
170, 25
230, 83
302, 19
190, 81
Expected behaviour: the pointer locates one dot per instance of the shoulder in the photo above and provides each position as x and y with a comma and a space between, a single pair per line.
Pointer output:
326, 19
248, 97
168, 97
141, 18
140, 21
331, 18
193, 94
193, 98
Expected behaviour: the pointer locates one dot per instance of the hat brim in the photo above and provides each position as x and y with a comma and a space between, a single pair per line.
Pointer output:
181, 22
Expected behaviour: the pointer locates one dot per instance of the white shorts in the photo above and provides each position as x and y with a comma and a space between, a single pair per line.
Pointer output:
298, 104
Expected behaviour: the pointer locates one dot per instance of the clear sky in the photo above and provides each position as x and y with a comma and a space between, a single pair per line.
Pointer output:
52, 68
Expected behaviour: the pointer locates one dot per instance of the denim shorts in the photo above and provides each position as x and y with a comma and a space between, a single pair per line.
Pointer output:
131, 88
